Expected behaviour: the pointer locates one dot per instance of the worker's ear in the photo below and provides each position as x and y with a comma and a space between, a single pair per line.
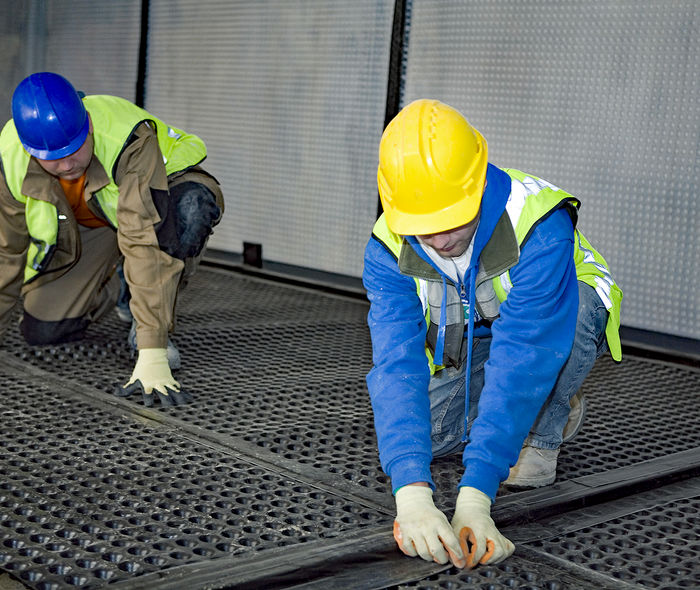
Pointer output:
90, 118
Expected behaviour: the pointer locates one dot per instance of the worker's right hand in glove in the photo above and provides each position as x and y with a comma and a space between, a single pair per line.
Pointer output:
478, 536
152, 374
421, 529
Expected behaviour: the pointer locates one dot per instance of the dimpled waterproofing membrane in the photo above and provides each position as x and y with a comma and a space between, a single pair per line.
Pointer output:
516, 572
281, 369
658, 547
89, 497
278, 446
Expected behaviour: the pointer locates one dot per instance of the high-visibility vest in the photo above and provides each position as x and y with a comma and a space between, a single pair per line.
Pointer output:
531, 200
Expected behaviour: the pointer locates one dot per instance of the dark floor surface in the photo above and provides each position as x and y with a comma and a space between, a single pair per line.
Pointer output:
271, 478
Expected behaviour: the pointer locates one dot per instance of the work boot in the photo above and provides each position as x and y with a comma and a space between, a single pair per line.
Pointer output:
576, 416
172, 352
535, 468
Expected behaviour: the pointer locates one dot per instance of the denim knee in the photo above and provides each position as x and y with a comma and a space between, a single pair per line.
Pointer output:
592, 318
589, 344
447, 412
448, 405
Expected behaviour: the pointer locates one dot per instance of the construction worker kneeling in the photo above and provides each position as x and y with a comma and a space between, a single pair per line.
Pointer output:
102, 204
488, 310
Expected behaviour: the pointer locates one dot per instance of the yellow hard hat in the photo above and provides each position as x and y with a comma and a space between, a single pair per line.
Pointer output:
432, 169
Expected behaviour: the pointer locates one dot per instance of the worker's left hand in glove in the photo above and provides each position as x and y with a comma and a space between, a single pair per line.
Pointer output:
152, 377
477, 533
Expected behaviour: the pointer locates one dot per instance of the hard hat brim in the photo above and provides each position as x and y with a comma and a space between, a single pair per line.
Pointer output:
407, 224
72, 147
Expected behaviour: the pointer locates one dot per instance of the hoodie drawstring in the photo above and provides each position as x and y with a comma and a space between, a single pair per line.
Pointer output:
470, 342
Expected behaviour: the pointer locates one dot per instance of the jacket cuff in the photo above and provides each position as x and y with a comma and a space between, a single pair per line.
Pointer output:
410, 469
151, 339
483, 477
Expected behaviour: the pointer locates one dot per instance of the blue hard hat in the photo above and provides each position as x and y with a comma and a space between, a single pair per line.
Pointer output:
49, 116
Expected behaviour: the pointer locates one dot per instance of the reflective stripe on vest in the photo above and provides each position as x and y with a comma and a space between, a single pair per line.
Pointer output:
591, 267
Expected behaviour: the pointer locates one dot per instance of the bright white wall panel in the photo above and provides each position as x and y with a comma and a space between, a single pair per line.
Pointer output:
289, 96
600, 98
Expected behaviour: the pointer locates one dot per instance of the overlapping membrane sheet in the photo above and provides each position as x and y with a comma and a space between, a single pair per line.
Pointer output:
271, 477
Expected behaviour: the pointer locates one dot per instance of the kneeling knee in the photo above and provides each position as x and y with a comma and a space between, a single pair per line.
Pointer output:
197, 213
40, 333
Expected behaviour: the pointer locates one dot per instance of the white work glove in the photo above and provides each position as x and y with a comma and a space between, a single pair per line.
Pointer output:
421, 529
480, 540
152, 373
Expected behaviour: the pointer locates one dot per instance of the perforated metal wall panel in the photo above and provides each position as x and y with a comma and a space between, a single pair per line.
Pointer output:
289, 97
15, 49
94, 44
599, 98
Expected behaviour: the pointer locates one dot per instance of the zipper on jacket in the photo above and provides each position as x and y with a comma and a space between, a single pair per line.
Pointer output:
94, 203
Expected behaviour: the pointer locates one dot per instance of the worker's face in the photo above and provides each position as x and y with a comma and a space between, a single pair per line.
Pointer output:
452, 242
74, 165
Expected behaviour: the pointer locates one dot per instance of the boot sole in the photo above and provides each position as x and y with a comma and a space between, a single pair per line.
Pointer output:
530, 482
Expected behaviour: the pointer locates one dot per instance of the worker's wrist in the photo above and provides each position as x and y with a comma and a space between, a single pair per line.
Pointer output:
408, 469
413, 496
471, 496
153, 354
482, 476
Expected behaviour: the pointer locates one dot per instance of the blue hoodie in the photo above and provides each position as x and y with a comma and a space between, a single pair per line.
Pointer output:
531, 340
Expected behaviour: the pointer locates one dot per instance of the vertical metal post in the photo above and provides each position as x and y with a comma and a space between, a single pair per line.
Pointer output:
143, 54
393, 91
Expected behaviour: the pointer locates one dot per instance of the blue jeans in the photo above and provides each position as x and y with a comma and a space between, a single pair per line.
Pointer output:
447, 387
